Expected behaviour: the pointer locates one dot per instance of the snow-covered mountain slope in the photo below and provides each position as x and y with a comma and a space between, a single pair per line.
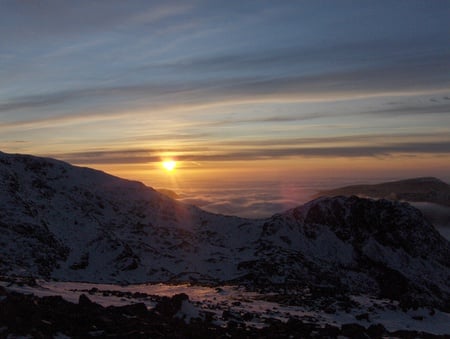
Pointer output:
358, 245
78, 224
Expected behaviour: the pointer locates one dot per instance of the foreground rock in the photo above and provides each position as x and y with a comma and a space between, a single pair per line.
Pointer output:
46, 317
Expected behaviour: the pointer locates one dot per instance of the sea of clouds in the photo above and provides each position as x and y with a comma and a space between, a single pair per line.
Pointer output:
249, 201
262, 200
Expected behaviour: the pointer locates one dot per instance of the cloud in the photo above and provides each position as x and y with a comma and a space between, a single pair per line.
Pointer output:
71, 96
372, 52
358, 139
254, 151
342, 68
248, 201
57, 121
332, 151
440, 108
157, 13
326, 71
43, 100
338, 85
56, 18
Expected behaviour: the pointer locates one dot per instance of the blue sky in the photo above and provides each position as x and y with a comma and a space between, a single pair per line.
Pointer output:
123, 84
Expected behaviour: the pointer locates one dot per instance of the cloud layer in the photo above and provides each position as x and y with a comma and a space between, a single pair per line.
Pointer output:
326, 147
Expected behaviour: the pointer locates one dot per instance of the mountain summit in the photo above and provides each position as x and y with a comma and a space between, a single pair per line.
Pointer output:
426, 189
77, 224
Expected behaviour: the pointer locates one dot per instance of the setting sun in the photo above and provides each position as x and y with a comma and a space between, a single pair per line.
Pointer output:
169, 165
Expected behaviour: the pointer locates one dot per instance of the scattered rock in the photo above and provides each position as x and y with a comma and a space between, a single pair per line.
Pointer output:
418, 317
353, 330
168, 307
47, 317
376, 331
363, 316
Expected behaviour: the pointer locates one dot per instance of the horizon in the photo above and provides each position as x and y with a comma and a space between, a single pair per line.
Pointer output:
257, 200
244, 94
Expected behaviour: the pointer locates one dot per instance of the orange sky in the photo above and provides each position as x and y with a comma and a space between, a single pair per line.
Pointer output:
286, 170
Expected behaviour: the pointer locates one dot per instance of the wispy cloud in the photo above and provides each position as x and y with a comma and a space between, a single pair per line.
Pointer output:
57, 121
57, 18
431, 107
350, 84
154, 14
280, 149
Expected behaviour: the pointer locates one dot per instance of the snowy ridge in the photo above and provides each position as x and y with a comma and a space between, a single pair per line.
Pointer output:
77, 224
80, 224
360, 245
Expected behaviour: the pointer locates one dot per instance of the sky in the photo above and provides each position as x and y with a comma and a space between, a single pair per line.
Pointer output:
234, 91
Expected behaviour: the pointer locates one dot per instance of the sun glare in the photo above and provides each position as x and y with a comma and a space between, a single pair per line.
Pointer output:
169, 165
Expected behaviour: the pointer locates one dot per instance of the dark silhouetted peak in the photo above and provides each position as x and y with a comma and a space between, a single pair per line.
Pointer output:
169, 193
426, 189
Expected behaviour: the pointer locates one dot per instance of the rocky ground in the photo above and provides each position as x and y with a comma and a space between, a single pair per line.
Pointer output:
27, 315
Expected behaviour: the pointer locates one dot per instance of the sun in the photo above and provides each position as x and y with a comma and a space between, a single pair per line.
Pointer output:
169, 165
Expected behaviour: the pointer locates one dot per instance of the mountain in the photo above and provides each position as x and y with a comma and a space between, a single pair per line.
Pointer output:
427, 189
169, 193
78, 224
358, 245
430, 195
